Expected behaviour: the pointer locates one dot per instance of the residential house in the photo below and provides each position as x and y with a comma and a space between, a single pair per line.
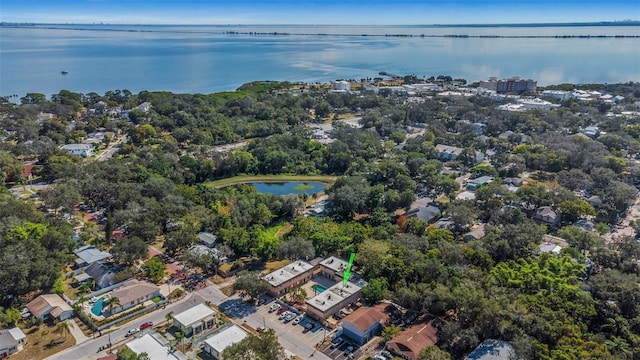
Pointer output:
334, 298
512, 183
366, 322
408, 343
547, 215
215, 344
102, 273
88, 255
333, 268
288, 277
476, 232
152, 347
52, 305
133, 293
195, 320
428, 214
548, 247
591, 131
11, 341
83, 150
479, 182
493, 350
447, 153
207, 239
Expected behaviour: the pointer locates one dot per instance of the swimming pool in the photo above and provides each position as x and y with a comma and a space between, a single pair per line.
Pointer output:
96, 309
319, 288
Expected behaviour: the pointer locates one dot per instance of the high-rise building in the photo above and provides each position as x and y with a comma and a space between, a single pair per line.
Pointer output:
511, 85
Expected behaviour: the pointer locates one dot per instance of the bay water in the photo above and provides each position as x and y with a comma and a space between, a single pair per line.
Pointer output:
206, 59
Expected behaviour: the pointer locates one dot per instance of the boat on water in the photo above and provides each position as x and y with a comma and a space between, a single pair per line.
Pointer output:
64, 72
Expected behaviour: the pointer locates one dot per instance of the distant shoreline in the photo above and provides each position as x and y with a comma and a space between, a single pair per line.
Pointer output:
110, 28
567, 24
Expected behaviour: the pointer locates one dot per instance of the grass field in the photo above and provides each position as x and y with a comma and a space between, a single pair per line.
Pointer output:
269, 178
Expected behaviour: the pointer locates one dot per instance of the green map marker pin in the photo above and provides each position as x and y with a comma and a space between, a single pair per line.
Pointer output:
347, 271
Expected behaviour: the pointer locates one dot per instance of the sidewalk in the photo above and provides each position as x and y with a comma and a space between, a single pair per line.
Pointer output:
76, 332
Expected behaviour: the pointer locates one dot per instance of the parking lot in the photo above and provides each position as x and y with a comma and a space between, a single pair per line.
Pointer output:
341, 347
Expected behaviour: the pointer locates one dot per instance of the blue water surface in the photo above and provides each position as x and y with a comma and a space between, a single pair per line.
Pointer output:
206, 59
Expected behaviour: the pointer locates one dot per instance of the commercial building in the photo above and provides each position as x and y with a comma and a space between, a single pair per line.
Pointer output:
511, 85
413, 339
218, 342
152, 347
333, 299
366, 322
341, 85
287, 277
195, 320
333, 268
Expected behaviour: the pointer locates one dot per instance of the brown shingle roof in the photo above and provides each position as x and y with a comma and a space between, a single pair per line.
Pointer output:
413, 339
133, 290
43, 304
364, 317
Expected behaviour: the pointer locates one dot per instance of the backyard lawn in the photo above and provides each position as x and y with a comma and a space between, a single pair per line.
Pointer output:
44, 341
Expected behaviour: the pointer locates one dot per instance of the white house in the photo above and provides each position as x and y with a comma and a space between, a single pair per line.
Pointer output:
11, 341
154, 348
217, 343
134, 293
84, 150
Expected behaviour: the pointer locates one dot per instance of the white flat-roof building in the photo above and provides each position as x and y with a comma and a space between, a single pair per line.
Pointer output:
195, 320
341, 85
154, 348
333, 268
84, 150
333, 299
218, 342
287, 277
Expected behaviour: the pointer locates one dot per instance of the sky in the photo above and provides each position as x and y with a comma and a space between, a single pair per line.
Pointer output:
320, 12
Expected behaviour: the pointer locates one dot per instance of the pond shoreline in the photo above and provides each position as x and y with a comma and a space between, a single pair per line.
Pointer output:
237, 180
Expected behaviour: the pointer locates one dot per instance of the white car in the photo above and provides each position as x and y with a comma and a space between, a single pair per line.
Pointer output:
274, 307
297, 320
132, 332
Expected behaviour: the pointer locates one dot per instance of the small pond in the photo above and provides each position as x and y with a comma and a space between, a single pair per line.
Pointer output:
288, 187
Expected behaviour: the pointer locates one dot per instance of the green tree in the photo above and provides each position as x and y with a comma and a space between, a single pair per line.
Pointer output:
129, 250
155, 269
263, 346
433, 352
572, 209
250, 283
296, 248
110, 303
374, 292
63, 328
389, 332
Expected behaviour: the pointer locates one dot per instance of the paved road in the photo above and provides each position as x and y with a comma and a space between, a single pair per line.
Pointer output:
89, 348
113, 148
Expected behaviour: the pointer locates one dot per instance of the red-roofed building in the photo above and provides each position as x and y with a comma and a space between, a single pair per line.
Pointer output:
26, 171
366, 322
415, 338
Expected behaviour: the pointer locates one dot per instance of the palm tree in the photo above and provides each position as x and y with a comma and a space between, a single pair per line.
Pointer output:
169, 318
82, 299
63, 328
111, 302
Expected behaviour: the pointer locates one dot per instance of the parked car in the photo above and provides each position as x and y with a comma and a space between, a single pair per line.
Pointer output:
131, 332
283, 315
282, 309
297, 320
308, 327
290, 316
348, 350
274, 307
146, 325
